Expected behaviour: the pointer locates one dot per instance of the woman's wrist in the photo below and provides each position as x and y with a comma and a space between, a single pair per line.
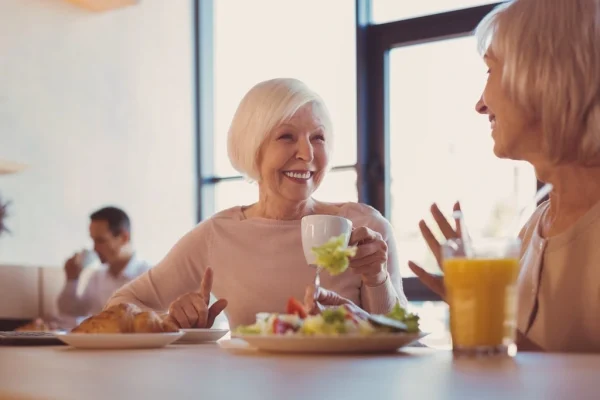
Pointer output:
375, 280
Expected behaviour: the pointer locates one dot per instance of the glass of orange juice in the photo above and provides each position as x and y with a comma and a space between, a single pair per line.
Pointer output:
480, 285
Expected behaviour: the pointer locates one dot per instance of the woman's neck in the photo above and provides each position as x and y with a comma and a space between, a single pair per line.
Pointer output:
280, 209
576, 190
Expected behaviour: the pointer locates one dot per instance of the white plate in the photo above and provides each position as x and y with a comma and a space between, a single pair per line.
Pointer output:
119, 340
201, 335
379, 343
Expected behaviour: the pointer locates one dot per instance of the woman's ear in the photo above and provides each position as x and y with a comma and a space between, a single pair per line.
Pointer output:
258, 162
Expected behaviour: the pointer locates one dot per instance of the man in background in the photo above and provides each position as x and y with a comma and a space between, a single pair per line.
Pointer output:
110, 229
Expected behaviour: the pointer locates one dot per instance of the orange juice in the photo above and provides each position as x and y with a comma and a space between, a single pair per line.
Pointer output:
481, 293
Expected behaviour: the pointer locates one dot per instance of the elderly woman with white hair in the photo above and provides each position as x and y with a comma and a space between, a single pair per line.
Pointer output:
281, 137
542, 98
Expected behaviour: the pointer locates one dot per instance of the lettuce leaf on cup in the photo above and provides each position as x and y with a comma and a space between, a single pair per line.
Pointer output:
334, 256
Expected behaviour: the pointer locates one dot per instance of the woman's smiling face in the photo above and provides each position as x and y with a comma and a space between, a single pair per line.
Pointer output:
515, 133
293, 159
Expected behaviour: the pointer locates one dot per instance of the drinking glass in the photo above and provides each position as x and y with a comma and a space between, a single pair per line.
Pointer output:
480, 280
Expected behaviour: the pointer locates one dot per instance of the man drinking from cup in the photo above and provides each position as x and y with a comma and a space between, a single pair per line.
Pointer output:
110, 230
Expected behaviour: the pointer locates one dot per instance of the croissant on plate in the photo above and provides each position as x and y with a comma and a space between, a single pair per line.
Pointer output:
125, 318
37, 325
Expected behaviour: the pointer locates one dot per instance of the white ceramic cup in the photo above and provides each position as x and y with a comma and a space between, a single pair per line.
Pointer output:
318, 229
88, 257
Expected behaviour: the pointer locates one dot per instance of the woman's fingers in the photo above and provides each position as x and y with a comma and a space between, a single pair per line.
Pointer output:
373, 258
367, 250
329, 298
316, 298
433, 282
457, 220
431, 241
214, 310
179, 317
206, 285
445, 227
362, 234
191, 313
189, 310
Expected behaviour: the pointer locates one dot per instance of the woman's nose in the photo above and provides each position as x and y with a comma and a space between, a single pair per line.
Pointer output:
305, 151
480, 106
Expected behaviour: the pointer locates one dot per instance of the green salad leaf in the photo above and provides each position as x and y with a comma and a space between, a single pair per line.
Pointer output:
332, 315
400, 314
248, 330
334, 256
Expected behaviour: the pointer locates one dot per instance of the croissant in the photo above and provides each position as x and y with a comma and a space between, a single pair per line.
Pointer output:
150, 322
125, 318
37, 325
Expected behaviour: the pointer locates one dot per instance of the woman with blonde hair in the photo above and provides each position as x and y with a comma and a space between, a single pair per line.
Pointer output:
281, 137
542, 98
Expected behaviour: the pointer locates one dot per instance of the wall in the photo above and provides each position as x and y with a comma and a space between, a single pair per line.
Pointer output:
100, 105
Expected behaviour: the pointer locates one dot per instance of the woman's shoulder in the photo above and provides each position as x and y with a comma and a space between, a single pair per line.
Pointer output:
364, 215
532, 223
352, 209
233, 213
205, 226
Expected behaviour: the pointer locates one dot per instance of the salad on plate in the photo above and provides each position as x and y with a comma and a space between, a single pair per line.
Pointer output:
335, 321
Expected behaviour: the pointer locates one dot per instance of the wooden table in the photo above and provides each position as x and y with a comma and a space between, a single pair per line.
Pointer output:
208, 372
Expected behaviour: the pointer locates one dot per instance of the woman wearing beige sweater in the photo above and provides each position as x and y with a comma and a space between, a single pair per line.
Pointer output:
282, 138
542, 98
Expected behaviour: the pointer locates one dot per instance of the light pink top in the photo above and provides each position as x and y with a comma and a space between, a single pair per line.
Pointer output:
258, 264
562, 275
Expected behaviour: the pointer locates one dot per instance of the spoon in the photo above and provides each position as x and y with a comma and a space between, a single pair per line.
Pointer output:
317, 279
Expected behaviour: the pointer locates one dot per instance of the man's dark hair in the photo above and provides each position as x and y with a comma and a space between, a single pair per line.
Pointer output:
3, 214
117, 219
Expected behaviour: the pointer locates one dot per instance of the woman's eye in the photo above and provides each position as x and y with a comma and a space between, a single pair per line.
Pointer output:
319, 138
286, 136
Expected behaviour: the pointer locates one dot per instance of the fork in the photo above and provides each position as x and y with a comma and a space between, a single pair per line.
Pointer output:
317, 278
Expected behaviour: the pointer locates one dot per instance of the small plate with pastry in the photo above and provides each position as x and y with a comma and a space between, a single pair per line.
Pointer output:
123, 326
35, 333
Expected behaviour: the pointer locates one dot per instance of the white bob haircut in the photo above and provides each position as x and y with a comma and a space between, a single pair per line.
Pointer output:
550, 51
266, 106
